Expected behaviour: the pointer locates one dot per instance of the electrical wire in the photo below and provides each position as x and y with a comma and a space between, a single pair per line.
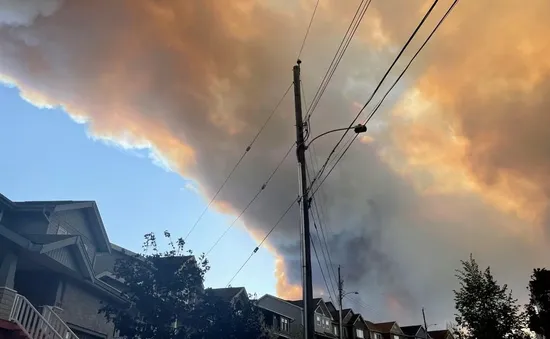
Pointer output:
321, 268
325, 251
323, 168
342, 48
264, 239
238, 162
262, 188
308, 29
389, 90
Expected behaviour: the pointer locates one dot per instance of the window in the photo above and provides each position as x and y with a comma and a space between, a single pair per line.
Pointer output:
61, 230
359, 333
396, 337
275, 321
377, 336
285, 324
318, 320
327, 323
335, 329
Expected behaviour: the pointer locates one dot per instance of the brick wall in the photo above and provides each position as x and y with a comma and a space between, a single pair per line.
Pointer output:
80, 306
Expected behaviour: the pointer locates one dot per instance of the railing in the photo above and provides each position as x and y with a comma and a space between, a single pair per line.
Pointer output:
34, 324
59, 325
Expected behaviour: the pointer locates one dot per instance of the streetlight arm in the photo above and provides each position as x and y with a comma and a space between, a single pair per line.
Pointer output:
357, 129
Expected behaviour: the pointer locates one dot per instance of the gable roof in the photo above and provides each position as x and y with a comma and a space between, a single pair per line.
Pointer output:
89, 207
440, 334
386, 327
411, 330
280, 306
228, 294
300, 303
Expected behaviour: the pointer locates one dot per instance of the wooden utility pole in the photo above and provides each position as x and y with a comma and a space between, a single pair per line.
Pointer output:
340, 297
307, 288
425, 324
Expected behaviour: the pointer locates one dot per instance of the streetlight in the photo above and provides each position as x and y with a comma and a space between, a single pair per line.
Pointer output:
360, 128
342, 296
307, 290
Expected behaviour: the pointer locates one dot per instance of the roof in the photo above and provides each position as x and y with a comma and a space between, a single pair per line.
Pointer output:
411, 330
384, 327
280, 306
354, 318
63, 205
440, 334
300, 303
229, 293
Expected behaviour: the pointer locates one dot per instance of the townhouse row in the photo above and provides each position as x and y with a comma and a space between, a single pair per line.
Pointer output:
285, 317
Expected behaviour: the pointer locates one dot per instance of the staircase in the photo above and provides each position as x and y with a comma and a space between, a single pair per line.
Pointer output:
36, 325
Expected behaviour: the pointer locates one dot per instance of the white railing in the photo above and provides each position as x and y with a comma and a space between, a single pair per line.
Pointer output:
34, 324
59, 325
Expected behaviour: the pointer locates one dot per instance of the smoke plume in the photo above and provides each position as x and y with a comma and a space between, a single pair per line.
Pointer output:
456, 161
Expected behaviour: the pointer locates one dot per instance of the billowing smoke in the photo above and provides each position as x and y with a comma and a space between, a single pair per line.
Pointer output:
455, 162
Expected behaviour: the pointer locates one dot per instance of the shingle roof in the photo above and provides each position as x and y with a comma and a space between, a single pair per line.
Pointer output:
227, 294
300, 303
354, 318
385, 327
441, 334
411, 330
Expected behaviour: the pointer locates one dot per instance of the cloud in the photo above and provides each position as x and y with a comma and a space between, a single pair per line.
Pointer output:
454, 163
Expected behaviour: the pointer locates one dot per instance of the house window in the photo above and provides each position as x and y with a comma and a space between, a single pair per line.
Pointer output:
359, 333
285, 325
275, 322
61, 230
318, 320
396, 337
377, 336
327, 323
335, 329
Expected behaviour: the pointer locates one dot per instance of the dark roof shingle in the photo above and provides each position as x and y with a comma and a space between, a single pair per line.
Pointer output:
411, 330
227, 294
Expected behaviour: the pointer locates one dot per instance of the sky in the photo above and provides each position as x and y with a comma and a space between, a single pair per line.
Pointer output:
455, 162
48, 156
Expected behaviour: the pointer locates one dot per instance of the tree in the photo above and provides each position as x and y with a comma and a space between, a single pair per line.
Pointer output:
538, 309
167, 300
485, 309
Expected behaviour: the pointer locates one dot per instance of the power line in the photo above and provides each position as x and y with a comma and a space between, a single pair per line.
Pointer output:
308, 29
322, 241
323, 168
389, 90
238, 162
316, 210
262, 188
342, 48
321, 268
264, 239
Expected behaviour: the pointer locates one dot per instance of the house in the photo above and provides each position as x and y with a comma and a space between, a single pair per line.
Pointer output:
441, 334
284, 318
387, 330
415, 332
324, 322
48, 250
353, 324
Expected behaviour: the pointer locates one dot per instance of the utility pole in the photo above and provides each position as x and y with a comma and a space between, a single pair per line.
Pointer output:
340, 297
425, 324
307, 288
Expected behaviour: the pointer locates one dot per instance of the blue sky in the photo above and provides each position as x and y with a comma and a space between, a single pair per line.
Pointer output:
46, 155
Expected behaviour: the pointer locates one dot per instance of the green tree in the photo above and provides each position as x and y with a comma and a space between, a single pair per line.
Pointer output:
167, 300
538, 309
485, 309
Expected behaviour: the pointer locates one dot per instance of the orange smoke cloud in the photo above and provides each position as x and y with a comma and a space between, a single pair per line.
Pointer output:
283, 288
